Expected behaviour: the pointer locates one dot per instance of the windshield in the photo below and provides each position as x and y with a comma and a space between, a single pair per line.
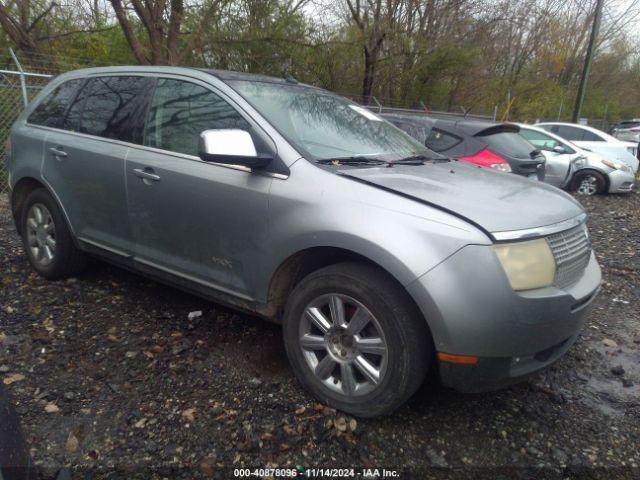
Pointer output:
327, 126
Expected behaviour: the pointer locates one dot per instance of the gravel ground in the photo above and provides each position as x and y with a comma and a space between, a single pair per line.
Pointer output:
108, 371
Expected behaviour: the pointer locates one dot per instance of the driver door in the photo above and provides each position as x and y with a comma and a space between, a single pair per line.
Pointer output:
202, 222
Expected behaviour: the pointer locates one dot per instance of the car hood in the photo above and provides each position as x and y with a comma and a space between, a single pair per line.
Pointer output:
614, 152
494, 201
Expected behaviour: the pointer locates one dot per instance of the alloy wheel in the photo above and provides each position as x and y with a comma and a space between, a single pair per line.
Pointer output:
588, 185
41, 234
343, 344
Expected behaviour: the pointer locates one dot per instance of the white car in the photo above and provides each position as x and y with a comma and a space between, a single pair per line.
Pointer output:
596, 141
628, 131
571, 167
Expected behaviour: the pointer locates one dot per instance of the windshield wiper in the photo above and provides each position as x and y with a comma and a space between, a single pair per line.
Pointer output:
420, 159
353, 160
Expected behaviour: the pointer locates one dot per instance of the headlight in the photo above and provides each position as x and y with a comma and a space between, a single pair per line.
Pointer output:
501, 167
579, 162
528, 264
614, 165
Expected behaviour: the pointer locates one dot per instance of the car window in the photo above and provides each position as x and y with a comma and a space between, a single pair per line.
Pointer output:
180, 111
419, 132
509, 143
629, 124
592, 137
114, 107
50, 112
543, 141
569, 133
440, 141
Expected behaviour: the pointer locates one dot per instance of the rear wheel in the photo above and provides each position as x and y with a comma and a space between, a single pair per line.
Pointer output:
46, 238
589, 183
355, 339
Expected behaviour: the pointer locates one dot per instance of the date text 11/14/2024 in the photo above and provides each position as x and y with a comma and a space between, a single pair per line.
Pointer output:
312, 472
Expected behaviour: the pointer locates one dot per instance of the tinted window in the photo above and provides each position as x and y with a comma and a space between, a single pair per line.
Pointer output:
181, 111
114, 107
629, 124
50, 112
591, 137
440, 141
509, 143
568, 133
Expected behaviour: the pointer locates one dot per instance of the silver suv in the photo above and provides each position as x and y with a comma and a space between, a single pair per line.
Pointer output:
381, 259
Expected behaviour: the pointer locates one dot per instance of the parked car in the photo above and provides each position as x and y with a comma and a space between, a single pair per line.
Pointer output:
487, 144
571, 167
596, 141
381, 259
627, 131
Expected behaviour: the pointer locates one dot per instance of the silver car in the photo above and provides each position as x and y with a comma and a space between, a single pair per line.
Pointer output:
572, 167
627, 131
381, 259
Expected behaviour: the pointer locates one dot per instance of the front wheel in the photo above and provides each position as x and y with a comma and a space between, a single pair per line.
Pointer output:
356, 340
589, 183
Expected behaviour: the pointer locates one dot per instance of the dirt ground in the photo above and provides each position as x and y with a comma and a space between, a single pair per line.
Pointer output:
107, 372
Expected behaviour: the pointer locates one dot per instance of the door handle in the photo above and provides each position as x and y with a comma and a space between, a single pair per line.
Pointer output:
58, 152
146, 174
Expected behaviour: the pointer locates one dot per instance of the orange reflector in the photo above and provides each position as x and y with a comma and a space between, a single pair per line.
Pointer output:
457, 359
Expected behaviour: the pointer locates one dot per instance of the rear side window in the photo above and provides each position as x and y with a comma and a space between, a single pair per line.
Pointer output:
440, 141
180, 111
591, 137
509, 143
568, 133
51, 111
113, 107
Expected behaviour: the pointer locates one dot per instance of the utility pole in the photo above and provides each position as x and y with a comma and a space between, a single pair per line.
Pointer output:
587, 61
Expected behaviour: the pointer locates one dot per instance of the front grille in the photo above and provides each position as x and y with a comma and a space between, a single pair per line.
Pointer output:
572, 251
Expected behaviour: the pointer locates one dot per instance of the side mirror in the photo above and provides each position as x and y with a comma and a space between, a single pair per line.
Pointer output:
230, 146
559, 149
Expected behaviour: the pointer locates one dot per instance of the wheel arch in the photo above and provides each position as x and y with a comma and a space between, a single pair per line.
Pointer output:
300, 264
607, 182
19, 194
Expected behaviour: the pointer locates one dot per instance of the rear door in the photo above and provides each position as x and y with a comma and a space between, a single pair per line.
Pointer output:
202, 222
84, 161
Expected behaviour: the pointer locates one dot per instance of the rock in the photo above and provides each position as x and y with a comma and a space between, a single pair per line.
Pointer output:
559, 456
435, 459
131, 354
51, 408
256, 382
627, 383
608, 342
300, 411
617, 370
4, 368
69, 396
194, 314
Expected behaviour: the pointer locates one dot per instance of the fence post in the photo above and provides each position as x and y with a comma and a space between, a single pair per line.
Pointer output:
378, 104
23, 83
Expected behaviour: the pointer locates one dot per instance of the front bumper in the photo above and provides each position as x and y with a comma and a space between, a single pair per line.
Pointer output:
620, 181
471, 310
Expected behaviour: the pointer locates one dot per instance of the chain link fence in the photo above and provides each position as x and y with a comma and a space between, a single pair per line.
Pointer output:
17, 88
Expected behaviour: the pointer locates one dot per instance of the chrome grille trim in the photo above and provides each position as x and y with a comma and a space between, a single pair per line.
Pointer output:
572, 251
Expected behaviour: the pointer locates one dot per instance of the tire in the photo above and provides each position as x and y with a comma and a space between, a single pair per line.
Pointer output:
365, 292
48, 242
588, 183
